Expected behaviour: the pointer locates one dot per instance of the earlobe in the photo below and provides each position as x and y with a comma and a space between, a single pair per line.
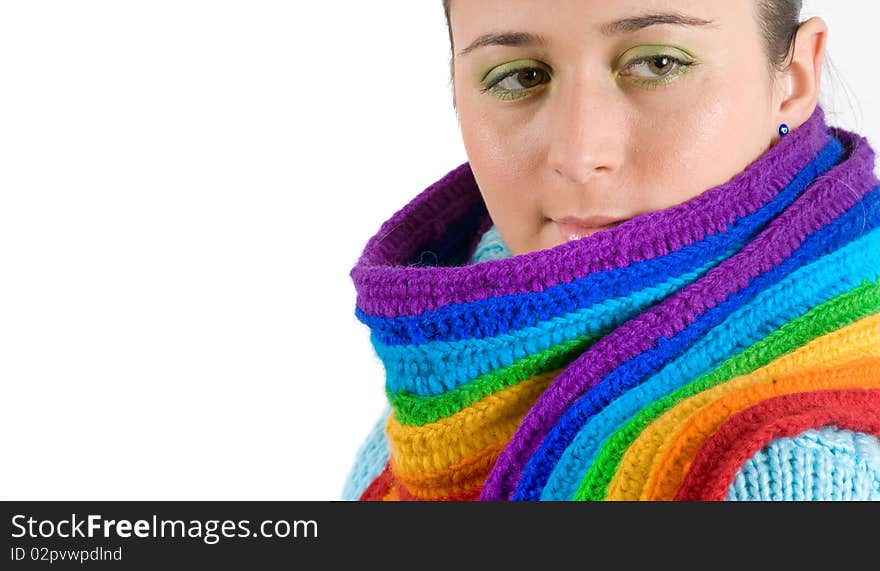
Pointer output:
802, 79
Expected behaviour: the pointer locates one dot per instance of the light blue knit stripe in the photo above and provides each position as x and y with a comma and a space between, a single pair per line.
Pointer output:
427, 369
808, 286
370, 460
374, 454
491, 247
828, 464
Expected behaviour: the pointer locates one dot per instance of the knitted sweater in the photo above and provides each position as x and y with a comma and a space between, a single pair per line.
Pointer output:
726, 348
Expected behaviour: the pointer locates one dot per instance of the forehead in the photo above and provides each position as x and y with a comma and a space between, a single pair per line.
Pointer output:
600, 20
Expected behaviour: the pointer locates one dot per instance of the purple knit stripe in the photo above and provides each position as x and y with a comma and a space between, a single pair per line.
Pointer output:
387, 287
826, 199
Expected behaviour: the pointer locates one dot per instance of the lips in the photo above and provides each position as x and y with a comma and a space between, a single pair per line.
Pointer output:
571, 228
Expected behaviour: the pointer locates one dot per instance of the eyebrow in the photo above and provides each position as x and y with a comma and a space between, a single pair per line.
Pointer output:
623, 26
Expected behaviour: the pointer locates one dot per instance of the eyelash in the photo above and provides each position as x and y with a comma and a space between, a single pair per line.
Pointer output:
681, 67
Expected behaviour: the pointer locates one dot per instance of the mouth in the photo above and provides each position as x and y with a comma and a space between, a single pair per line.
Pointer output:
571, 228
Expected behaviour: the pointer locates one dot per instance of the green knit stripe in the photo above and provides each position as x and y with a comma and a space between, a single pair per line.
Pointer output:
419, 410
822, 319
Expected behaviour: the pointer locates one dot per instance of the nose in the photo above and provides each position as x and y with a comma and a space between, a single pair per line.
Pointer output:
586, 134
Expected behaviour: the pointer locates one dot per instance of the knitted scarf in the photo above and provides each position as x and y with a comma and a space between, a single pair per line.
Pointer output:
648, 361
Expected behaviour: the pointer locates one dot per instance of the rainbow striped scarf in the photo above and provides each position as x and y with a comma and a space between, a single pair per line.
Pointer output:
648, 361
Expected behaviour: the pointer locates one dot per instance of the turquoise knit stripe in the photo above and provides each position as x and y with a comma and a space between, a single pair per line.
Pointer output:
371, 458
374, 453
491, 247
806, 287
427, 369
825, 464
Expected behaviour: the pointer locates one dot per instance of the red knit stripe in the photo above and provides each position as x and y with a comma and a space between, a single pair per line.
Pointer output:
377, 489
745, 433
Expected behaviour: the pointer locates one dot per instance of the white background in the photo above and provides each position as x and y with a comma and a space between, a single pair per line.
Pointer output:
184, 188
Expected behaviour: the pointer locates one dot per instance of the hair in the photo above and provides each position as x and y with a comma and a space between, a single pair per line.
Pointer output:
778, 20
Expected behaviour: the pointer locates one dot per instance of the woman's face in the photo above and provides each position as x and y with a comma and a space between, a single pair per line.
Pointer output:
612, 124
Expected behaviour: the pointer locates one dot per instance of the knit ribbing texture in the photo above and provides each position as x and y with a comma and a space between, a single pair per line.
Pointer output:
642, 362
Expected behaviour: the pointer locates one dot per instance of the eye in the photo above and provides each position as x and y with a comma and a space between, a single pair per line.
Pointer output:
656, 68
517, 82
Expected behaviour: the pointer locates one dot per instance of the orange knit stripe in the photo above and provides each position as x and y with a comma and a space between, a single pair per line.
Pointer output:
638, 467
461, 477
470, 495
392, 495
679, 454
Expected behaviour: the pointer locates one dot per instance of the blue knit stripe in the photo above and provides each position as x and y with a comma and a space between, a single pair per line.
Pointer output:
828, 464
469, 320
633, 372
787, 300
427, 369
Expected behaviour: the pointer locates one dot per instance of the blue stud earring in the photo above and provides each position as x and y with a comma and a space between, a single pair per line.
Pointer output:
783, 130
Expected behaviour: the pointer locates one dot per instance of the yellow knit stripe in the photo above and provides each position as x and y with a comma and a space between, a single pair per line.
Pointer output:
438, 446
855, 340
463, 476
676, 457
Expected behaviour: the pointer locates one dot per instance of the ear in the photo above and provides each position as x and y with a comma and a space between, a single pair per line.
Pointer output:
799, 84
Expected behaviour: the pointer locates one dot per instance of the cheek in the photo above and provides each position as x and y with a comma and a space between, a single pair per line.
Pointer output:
504, 159
729, 126
700, 145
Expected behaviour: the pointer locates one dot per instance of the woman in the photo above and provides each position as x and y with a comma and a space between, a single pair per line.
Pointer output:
656, 277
